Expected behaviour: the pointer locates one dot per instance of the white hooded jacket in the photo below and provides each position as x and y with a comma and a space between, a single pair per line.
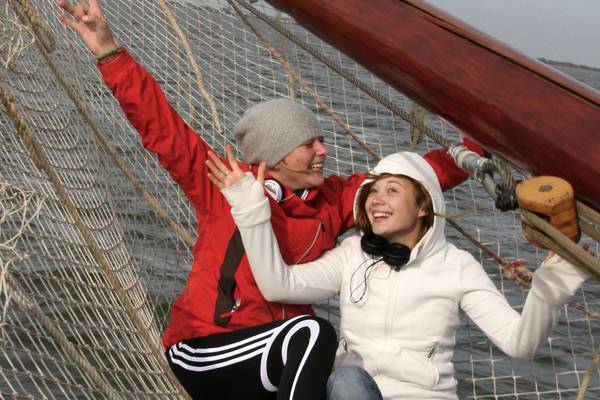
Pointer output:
402, 331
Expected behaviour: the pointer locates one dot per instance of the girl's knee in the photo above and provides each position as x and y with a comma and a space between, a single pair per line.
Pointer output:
351, 382
349, 373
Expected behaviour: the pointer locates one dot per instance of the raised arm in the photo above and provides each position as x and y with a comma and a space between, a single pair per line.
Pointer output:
520, 335
299, 284
448, 173
162, 130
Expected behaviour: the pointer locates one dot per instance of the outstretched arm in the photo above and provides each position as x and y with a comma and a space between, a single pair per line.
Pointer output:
448, 173
162, 130
520, 335
299, 284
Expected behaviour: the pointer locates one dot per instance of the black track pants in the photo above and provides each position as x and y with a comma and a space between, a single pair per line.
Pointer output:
288, 359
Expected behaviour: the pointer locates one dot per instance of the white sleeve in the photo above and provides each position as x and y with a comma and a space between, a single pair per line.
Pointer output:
517, 335
297, 284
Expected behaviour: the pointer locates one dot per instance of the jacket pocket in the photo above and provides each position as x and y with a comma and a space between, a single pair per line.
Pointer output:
416, 367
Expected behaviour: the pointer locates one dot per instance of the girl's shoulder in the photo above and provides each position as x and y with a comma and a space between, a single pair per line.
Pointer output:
450, 256
351, 243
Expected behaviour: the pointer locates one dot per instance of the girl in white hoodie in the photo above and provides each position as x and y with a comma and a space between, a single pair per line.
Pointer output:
401, 284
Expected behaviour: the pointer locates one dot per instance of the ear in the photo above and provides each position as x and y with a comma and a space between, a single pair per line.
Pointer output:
422, 213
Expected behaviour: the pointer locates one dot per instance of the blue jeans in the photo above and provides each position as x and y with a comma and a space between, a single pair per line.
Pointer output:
352, 383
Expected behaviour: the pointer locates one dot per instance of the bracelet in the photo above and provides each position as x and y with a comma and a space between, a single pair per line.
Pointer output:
101, 56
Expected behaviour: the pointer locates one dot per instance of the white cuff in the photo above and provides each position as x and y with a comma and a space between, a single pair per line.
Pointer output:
249, 205
556, 280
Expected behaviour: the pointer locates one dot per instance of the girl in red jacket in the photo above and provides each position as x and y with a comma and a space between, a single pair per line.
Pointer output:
224, 340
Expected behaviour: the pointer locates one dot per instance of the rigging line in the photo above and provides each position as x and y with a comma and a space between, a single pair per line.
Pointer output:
554, 240
178, 57
518, 277
516, 273
102, 138
15, 293
593, 216
587, 378
188, 50
284, 50
288, 68
41, 29
350, 77
413, 119
507, 183
409, 117
40, 160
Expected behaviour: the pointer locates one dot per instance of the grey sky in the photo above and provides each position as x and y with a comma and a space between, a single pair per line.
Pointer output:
562, 30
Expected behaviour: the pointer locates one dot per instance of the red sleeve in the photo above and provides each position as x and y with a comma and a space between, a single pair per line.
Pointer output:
351, 185
180, 150
448, 173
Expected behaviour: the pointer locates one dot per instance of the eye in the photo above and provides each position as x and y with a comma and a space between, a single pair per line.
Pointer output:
392, 190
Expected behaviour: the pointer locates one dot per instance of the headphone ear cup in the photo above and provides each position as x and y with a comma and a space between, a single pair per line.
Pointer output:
373, 244
274, 189
396, 255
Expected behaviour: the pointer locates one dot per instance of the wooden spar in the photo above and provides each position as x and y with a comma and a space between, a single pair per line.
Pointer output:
534, 116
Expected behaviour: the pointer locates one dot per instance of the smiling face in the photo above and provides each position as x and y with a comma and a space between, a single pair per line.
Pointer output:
394, 207
303, 167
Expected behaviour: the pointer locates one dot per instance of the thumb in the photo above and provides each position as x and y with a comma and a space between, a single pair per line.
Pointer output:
260, 177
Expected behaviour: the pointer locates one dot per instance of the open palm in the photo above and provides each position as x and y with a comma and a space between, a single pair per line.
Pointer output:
90, 24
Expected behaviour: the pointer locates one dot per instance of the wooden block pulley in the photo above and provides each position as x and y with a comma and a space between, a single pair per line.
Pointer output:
553, 199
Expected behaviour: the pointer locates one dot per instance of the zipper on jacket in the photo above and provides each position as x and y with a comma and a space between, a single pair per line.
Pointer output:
431, 351
389, 315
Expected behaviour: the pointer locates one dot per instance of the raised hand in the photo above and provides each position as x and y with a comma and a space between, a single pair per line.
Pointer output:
224, 177
90, 24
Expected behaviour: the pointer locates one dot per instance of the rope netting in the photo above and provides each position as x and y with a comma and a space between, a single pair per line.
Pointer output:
90, 264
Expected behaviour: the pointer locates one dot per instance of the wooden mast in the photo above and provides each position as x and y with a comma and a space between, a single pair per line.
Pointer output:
534, 116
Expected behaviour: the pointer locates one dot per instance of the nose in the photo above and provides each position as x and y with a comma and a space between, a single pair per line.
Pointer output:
376, 198
320, 148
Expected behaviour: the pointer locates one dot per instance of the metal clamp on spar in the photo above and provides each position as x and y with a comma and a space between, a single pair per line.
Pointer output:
483, 169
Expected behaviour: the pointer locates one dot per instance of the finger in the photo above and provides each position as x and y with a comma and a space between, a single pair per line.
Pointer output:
68, 21
215, 181
94, 7
260, 176
77, 11
84, 7
65, 5
218, 162
214, 170
231, 158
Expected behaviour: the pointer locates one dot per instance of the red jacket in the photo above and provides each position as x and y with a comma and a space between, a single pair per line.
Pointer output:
221, 295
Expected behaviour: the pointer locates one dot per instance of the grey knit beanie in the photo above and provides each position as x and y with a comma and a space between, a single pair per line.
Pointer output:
270, 130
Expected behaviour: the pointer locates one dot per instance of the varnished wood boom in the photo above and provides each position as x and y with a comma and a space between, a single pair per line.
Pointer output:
534, 116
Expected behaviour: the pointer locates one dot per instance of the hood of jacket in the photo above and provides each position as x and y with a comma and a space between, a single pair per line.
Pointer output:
414, 166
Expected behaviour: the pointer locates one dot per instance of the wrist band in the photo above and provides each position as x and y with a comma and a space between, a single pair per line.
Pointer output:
101, 56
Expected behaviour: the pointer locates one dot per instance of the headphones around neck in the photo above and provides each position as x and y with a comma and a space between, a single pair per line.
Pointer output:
394, 254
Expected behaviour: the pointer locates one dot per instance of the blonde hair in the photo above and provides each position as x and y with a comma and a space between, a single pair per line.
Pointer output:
422, 198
